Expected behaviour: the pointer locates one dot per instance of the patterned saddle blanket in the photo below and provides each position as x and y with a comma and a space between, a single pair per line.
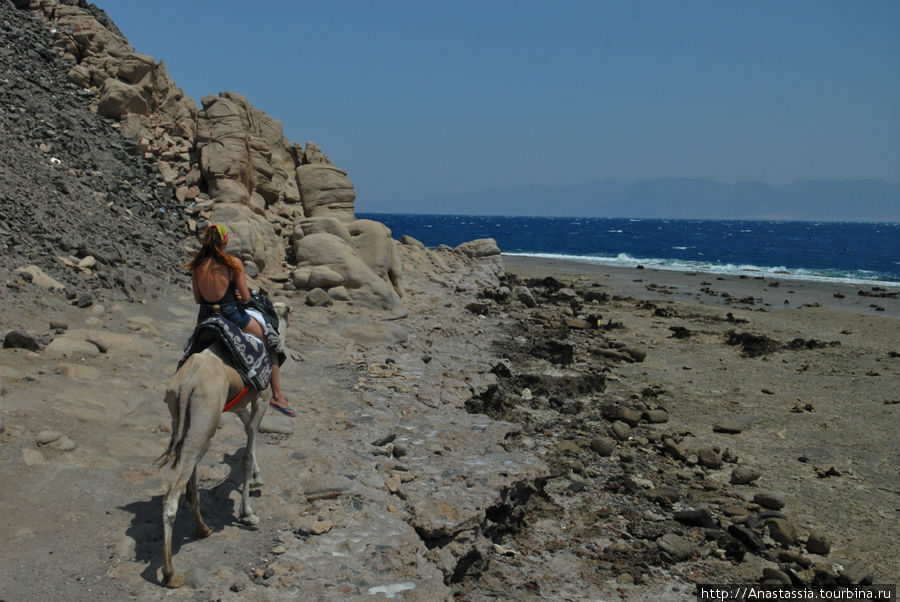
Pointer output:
248, 354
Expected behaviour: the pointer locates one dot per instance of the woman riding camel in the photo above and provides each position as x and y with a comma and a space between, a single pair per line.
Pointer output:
219, 280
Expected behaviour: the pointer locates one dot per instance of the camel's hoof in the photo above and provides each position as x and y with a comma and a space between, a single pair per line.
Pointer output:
257, 483
250, 519
174, 581
203, 531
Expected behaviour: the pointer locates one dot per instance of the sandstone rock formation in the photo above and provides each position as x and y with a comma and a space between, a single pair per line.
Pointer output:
244, 156
331, 255
487, 255
324, 187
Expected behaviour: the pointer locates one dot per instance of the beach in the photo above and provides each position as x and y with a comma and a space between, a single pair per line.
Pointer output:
576, 441
769, 293
812, 401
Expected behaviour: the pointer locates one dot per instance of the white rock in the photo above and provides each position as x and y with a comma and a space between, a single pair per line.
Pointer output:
46, 437
36, 275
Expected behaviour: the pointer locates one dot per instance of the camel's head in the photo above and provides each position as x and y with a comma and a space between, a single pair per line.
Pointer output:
283, 311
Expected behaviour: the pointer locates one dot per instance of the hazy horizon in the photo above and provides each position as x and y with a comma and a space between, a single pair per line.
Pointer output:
416, 100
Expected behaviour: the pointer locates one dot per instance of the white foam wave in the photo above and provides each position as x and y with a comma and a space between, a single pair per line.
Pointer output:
781, 272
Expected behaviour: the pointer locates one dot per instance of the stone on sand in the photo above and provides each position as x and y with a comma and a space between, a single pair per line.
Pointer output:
603, 445
676, 546
744, 475
769, 499
709, 458
818, 543
782, 531
20, 339
728, 426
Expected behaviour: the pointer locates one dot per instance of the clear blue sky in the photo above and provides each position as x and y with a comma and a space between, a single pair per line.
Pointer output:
415, 98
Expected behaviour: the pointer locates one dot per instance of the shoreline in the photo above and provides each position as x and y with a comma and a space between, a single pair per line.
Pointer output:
754, 292
811, 413
792, 274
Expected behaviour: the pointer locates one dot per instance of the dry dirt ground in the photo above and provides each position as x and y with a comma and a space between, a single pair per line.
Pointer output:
81, 513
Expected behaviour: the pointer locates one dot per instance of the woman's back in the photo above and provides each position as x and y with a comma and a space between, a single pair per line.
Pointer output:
213, 281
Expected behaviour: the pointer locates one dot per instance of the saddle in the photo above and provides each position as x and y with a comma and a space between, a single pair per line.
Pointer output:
246, 353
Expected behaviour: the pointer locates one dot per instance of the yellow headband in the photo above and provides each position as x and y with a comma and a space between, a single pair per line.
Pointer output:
223, 232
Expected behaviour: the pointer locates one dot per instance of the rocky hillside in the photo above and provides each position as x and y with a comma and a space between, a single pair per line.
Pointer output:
111, 131
76, 200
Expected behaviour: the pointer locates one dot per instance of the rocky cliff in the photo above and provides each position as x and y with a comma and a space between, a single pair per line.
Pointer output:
291, 210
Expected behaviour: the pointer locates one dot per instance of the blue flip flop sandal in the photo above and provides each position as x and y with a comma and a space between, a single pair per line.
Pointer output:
287, 411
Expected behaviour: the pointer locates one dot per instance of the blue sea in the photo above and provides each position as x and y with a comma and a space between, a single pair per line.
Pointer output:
854, 252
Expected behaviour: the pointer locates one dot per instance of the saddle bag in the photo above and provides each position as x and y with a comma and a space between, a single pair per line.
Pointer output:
259, 300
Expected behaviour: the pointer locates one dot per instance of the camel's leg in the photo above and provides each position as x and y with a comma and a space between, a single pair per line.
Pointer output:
193, 495
251, 422
248, 419
195, 443
185, 476
259, 410
170, 509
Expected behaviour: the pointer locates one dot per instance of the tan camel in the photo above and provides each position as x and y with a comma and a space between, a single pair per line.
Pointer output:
196, 396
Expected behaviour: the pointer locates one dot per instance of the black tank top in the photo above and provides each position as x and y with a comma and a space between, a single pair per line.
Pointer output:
228, 297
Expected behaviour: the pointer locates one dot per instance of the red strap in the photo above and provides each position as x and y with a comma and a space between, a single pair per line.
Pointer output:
236, 399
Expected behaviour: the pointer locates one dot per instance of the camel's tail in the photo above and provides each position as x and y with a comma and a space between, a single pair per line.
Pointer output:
173, 454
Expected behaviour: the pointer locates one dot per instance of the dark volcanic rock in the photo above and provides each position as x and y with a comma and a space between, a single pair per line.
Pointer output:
680, 332
555, 352
696, 518
748, 538
19, 339
752, 345
71, 184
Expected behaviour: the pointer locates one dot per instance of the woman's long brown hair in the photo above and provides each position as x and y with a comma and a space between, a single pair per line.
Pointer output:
213, 247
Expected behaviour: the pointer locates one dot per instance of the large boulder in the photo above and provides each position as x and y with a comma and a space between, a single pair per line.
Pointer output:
479, 248
374, 245
244, 156
325, 189
370, 240
251, 237
486, 254
328, 225
362, 284
134, 68
224, 160
118, 99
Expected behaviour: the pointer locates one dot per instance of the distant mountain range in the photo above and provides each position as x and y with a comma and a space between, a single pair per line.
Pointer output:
674, 198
